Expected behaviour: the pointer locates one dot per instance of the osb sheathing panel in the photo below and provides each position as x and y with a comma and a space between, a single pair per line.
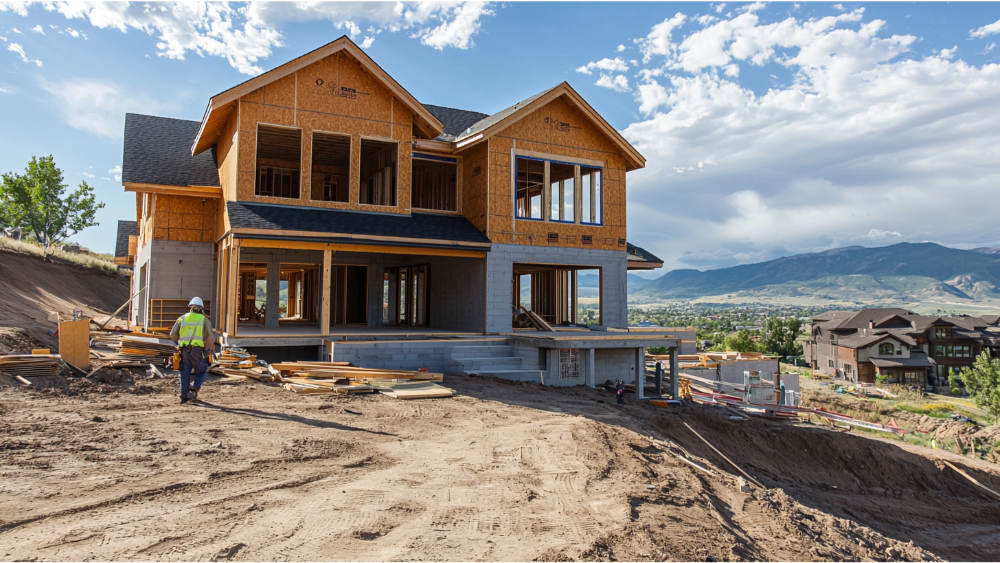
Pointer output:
226, 153
556, 129
314, 99
187, 219
473, 187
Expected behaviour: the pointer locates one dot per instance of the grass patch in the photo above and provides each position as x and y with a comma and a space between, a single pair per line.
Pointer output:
92, 261
937, 410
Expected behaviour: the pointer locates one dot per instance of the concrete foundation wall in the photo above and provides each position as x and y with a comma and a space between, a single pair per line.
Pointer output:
500, 281
612, 363
180, 270
434, 355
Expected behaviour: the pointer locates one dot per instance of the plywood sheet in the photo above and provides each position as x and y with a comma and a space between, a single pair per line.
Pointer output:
74, 343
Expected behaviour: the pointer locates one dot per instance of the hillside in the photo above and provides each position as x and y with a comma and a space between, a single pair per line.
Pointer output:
32, 287
903, 273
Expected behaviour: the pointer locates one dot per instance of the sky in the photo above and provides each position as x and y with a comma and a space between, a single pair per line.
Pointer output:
769, 129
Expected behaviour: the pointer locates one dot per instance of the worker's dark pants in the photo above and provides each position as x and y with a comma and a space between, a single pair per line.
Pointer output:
193, 363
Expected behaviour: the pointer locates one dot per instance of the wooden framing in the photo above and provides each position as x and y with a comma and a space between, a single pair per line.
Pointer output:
342, 247
210, 192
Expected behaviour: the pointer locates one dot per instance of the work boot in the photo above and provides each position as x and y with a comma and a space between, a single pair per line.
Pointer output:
193, 395
184, 400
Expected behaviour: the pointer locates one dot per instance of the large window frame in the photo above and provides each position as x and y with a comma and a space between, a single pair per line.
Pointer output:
265, 175
372, 186
331, 187
526, 186
416, 199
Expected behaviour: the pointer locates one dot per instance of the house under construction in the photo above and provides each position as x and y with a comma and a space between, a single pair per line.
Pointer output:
321, 210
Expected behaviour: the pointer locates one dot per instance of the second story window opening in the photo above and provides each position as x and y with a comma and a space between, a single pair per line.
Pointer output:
331, 167
885, 349
942, 333
434, 182
378, 172
279, 159
549, 190
530, 188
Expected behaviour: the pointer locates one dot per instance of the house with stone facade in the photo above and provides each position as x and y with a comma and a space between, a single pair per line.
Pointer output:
320, 209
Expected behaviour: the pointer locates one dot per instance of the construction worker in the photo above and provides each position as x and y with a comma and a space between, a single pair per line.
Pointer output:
195, 339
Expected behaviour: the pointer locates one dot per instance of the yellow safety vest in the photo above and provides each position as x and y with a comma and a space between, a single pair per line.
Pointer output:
192, 332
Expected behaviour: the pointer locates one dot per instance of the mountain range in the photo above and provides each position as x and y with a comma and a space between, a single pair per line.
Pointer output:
902, 274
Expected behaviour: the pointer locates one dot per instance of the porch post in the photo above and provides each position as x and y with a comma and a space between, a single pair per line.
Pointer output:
640, 373
674, 375
232, 307
271, 315
324, 302
591, 372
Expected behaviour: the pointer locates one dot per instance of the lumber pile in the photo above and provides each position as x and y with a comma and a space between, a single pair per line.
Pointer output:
133, 347
21, 366
237, 364
309, 378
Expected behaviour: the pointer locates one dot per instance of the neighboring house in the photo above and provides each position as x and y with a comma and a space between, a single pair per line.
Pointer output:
904, 347
126, 243
321, 203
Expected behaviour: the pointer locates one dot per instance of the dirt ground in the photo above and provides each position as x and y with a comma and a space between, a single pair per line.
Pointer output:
502, 471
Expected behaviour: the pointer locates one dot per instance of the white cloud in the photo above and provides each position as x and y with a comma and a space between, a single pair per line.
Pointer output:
986, 30
117, 171
616, 64
17, 48
879, 234
620, 48
839, 7
73, 33
863, 126
97, 107
5, 90
989, 47
617, 83
720, 7
88, 174
38, 29
16, 30
659, 41
245, 35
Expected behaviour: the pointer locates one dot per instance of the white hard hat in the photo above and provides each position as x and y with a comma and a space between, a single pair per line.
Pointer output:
196, 302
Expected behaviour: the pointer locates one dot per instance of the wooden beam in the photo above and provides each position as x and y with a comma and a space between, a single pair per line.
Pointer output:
410, 251
324, 312
208, 192
321, 235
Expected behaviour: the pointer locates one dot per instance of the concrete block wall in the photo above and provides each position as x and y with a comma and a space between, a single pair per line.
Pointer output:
500, 279
180, 270
434, 355
614, 363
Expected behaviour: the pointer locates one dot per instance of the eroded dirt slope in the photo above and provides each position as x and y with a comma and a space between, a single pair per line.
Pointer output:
501, 472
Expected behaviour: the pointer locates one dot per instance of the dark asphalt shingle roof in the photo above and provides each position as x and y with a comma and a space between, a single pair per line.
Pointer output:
417, 226
916, 360
642, 253
855, 342
125, 230
455, 121
158, 151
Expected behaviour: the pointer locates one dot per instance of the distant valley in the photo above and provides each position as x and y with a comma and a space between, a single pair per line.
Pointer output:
922, 276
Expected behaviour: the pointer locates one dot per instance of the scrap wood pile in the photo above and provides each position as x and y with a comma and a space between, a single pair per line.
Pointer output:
308, 378
23, 366
526, 318
134, 347
237, 363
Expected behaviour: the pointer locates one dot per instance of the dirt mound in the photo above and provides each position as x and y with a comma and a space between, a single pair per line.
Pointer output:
32, 287
893, 491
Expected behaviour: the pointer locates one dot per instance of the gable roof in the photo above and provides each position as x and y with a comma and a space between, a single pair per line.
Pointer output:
489, 126
422, 229
455, 121
125, 230
221, 106
642, 255
856, 342
157, 151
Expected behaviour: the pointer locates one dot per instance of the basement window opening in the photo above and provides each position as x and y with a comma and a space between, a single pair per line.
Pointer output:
331, 167
279, 159
378, 172
434, 183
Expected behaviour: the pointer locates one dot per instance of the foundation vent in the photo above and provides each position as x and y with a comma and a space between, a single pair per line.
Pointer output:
553, 238
621, 242
588, 240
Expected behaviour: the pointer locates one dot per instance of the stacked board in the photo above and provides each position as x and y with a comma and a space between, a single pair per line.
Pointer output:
309, 378
30, 365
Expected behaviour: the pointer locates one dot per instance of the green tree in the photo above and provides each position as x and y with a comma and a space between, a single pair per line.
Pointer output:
982, 381
780, 336
37, 201
740, 341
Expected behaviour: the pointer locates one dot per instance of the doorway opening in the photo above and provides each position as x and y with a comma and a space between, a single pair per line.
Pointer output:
405, 296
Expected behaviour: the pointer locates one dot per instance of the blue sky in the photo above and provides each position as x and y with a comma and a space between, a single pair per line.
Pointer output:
769, 129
